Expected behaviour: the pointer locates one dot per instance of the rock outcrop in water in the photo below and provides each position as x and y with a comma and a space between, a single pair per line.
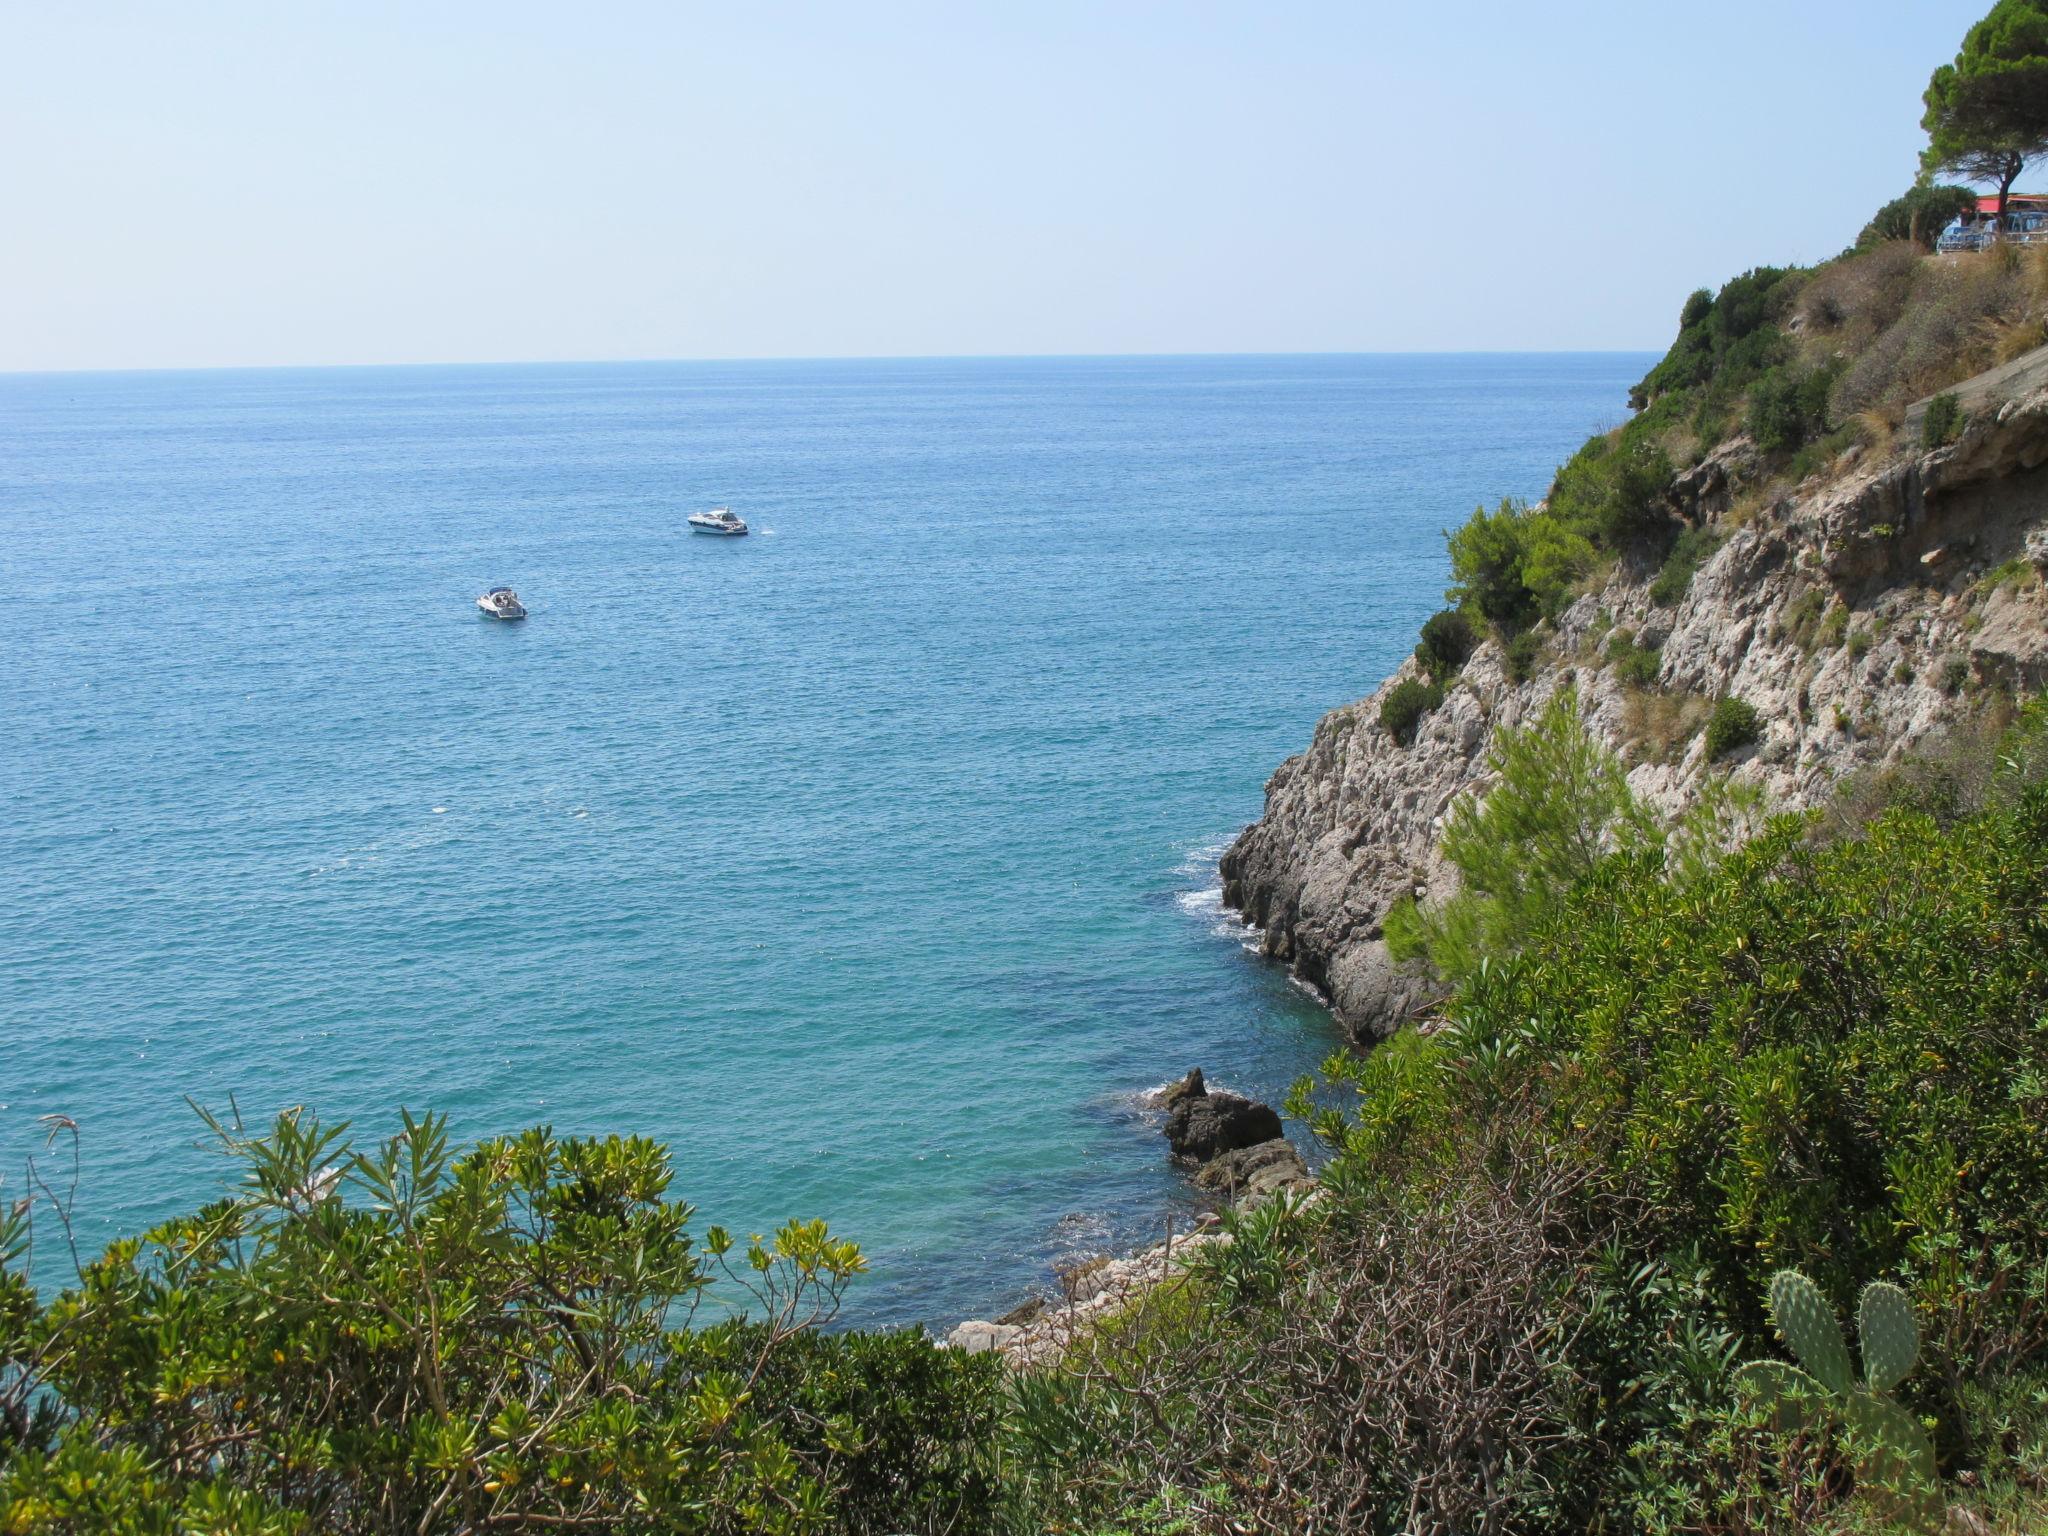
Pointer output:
1201, 1125
1243, 1156
1859, 613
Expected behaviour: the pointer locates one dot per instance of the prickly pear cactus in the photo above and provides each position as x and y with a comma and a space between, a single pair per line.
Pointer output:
1886, 1335
1807, 1322
1893, 1457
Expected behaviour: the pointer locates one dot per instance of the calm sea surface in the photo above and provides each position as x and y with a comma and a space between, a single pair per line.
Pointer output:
869, 861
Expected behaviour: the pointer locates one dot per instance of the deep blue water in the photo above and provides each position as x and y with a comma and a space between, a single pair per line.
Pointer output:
868, 862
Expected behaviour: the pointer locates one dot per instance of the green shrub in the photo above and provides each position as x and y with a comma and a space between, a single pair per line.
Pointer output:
1559, 800
1840, 1044
1788, 408
1487, 554
1943, 423
1401, 711
1726, 343
1834, 625
1637, 665
1447, 641
415, 1338
1734, 724
1523, 653
1692, 549
1920, 215
1613, 491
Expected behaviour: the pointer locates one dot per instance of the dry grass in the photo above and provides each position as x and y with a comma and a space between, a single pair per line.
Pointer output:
1661, 725
1744, 509
2011, 339
1962, 312
1855, 299
1880, 427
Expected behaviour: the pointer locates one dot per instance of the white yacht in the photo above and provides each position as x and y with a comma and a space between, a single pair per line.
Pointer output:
721, 520
501, 603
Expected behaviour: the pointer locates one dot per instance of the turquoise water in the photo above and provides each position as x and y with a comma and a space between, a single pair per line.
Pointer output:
868, 861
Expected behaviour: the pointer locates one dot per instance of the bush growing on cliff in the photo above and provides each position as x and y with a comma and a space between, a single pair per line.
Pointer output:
1515, 565
1943, 423
1612, 492
1401, 711
1637, 665
1559, 802
1523, 654
1692, 549
1788, 407
1447, 642
1734, 724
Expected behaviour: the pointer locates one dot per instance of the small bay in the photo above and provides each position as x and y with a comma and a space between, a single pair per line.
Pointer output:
867, 861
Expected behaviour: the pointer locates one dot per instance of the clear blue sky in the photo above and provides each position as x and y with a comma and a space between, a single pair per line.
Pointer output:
336, 181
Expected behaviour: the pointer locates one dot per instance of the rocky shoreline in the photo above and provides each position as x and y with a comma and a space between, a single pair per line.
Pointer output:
1861, 614
1233, 1146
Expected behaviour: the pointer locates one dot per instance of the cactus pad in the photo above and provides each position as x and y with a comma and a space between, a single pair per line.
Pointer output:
1797, 1404
1886, 1335
1808, 1324
1894, 1461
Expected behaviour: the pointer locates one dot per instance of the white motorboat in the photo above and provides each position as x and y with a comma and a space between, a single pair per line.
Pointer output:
721, 520
501, 603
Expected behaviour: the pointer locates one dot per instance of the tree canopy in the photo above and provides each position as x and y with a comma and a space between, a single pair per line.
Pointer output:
1987, 113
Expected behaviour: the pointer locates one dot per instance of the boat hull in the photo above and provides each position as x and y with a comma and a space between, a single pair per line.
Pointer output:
720, 533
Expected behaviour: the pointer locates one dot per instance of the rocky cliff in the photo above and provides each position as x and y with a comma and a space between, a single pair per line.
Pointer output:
1859, 613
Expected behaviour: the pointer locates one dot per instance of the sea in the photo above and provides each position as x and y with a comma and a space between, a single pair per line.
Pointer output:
868, 862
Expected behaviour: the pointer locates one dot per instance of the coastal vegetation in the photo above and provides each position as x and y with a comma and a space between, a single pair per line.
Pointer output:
1987, 113
412, 1338
1801, 367
1535, 1294
1694, 1089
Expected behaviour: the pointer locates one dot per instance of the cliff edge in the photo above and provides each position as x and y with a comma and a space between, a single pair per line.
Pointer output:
1859, 612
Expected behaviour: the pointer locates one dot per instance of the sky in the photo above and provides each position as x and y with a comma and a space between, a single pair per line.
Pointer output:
243, 182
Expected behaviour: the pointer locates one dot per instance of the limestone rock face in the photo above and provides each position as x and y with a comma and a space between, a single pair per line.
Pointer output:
1859, 614
978, 1338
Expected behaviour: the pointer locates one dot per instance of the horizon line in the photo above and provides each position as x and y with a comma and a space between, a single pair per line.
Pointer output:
906, 357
